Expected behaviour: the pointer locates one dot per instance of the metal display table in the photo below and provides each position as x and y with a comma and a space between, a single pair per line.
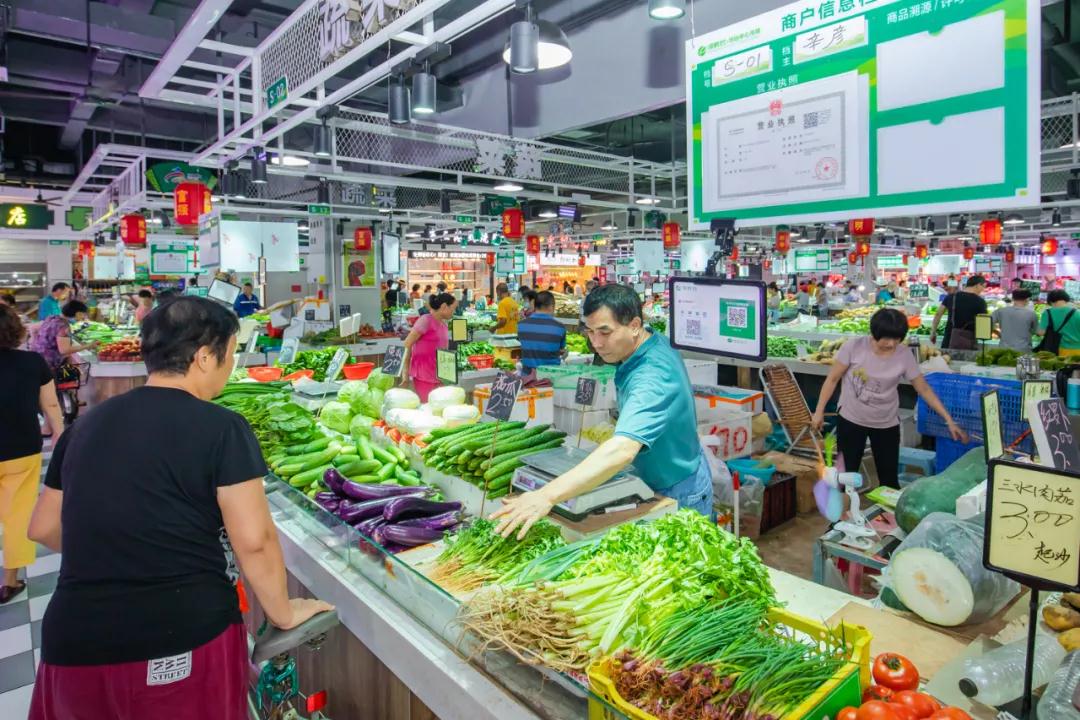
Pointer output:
827, 547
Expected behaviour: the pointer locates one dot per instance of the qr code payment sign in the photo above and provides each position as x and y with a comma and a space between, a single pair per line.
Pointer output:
693, 329
736, 316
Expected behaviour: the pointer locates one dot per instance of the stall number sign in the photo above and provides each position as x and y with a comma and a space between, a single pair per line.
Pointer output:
336, 364
585, 395
1034, 392
991, 410
289, 346
919, 291
392, 360
1032, 528
459, 330
983, 327
446, 366
277, 92
504, 392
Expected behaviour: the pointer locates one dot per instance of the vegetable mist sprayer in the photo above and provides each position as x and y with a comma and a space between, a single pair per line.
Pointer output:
830, 501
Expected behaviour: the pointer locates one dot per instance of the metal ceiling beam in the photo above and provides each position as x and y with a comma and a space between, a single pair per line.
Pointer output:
194, 32
110, 27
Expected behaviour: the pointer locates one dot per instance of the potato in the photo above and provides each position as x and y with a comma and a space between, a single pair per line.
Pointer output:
1070, 640
1071, 600
1062, 618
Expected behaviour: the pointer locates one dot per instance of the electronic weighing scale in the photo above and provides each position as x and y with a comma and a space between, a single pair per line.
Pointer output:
543, 467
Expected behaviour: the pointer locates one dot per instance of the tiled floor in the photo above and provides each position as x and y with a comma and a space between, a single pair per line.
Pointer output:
20, 635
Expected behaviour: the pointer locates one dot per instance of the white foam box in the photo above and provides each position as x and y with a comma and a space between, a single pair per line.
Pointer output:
570, 421
701, 372
972, 503
714, 402
534, 406
730, 436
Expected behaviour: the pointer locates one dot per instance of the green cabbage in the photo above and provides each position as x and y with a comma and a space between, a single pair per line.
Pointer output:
372, 404
378, 381
354, 393
336, 416
361, 426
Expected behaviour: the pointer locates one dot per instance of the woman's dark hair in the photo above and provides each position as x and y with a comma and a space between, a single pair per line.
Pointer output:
623, 302
73, 308
8, 299
145, 294
888, 323
1057, 296
416, 287
12, 331
172, 334
1021, 294
440, 299
427, 288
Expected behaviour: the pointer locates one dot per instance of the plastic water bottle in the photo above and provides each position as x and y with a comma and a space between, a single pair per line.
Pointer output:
998, 676
1057, 701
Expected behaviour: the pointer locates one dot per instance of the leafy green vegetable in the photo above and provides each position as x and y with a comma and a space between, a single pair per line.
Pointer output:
378, 381
336, 416
354, 393
360, 426
316, 360
577, 343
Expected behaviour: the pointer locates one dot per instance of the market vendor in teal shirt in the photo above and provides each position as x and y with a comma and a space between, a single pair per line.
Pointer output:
657, 426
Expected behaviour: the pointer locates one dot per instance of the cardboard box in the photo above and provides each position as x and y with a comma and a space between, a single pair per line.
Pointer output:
806, 475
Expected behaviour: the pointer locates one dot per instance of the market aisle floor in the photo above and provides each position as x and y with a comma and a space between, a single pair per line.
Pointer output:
20, 635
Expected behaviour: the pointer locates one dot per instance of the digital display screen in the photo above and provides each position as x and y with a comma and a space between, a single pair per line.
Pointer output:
718, 317
391, 253
570, 212
223, 292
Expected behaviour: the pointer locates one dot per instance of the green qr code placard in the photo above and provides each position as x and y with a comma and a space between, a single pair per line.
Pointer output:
737, 319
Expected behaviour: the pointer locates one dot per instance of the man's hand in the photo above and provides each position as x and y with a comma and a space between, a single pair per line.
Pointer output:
303, 610
523, 510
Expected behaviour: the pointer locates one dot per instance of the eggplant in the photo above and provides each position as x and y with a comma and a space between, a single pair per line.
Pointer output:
409, 536
328, 500
353, 513
374, 491
367, 527
377, 534
334, 480
444, 521
403, 508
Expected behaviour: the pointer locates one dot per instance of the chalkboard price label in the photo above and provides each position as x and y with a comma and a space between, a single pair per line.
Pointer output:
585, 395
504, 394
336, 364
1054, 439
392, 360
446, 366
309, 315
289, 346
1033, 525
991, 411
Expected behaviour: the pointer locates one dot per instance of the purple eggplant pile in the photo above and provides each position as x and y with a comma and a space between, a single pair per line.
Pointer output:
396, 517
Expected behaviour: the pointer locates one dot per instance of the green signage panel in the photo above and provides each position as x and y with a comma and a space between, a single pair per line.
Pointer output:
318, 209
78, 217
165, 176
510, 261
834, 109
891, 262
1073, 288
811, 260
25, 216
464, 219
919, 291
277, 92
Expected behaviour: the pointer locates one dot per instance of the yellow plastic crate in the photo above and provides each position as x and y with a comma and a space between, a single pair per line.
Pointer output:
843, 689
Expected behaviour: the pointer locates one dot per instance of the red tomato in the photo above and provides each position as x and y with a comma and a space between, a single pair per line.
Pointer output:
876, 710
922, 704
895, 672
848, 713
903, 712
877, 692
950, 713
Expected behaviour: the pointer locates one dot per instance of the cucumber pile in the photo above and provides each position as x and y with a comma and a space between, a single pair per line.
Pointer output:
303, 465
467, 451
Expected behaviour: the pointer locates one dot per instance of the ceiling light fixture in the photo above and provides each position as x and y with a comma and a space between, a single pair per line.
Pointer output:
547, 213
400, 108
610, 224
1055, 218
524, 46
258, 166
552, 47
647, 201
508, 186
290, 161
322, 192
423, 92
667, 9
1014, 219
322, 140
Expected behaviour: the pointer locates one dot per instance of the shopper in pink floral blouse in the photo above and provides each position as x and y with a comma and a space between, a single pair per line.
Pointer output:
428, 335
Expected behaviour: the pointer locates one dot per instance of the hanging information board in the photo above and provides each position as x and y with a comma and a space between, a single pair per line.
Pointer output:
991, 414
718, 317
1032, 528
811, 260
172, 258
1032, 286
891, 262
832, 110
918, 291
988, 263
510, 261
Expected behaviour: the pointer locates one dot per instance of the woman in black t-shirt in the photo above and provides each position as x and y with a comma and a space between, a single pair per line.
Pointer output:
26, 386
145, 621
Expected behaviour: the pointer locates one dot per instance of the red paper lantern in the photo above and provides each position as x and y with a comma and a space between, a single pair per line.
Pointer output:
921, 251
532, 244
86, 248
190, 200
601, 274
672, 234
853, 257
990, 232
734, 253
1010, 256
1050, 246
362, 239
766, 264
862, 227
581, 260
905, 259
783, 241
862, 248
133, 230
513, 224
491, 259
969, 253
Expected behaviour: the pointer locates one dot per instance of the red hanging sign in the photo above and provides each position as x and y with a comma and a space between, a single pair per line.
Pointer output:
969, 253
190, 200
362, 239
133, 230
862, 248
86, 248
1010, 256
853, 257
783, 241
601, 274
532, 245
921, 251
581, 260
491, 259
861, 227
990, 232
513, 224
1049, 246
672, 235
734, 253
766, 264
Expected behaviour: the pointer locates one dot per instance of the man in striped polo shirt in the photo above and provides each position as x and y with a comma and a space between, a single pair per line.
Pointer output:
542, 337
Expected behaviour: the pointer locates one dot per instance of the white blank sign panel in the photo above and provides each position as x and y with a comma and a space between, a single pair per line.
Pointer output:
963, 58
960, 151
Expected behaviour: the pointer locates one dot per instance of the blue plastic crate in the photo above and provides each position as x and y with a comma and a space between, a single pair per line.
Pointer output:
961, 395
949, 451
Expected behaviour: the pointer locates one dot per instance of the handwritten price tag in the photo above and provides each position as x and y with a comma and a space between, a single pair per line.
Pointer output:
1032, 524
336, 364
993, 442
504, 394
289, 346
392, 360
585, 395
446, 366
1054, 438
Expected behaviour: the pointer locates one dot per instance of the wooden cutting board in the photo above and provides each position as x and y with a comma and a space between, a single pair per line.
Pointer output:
928, 649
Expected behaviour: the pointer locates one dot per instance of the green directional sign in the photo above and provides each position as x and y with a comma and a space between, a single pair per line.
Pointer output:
318, 209
464, 219
277, 92
78, 217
